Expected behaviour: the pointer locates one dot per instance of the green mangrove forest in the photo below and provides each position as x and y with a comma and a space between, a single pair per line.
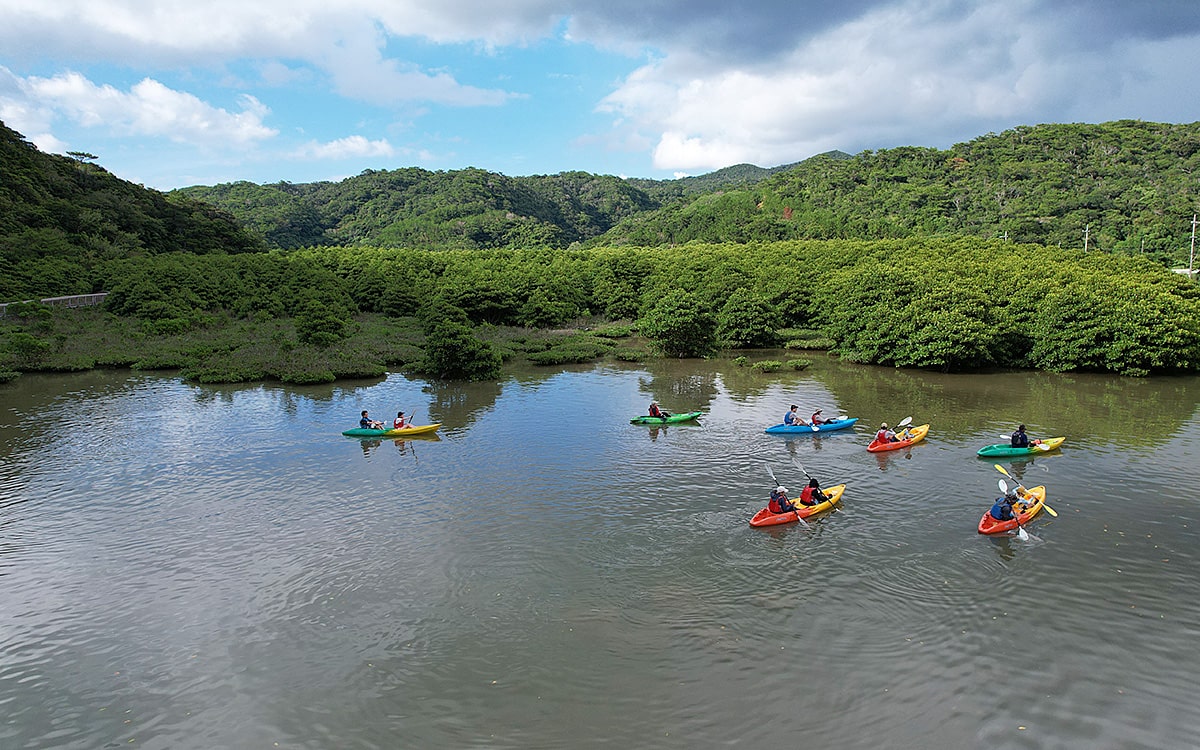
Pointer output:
888, 258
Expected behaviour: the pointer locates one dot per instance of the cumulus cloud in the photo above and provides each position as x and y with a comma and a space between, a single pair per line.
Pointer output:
344, 38
149, 109
903, 73
354, 146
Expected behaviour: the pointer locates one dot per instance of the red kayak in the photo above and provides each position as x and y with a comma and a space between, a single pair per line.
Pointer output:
1036, 499
766, 518
915, 435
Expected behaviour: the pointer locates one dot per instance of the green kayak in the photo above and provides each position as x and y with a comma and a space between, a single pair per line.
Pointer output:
673, 419
1000, 450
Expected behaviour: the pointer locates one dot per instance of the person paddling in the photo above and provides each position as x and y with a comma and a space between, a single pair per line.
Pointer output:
400, 422
1002, 510
369, 424
812, 494
792, 418
885, 435
817, 420
1021, 440
779, 502
657, 412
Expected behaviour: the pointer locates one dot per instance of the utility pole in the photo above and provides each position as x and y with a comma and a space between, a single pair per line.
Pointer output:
1085, 237
1192, 254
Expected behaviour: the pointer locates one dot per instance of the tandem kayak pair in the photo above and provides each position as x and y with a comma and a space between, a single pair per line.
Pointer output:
766, 518
914, 435
392, 432
808, 429
1035, 496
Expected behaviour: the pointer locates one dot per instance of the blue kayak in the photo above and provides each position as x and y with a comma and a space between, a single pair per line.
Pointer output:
804, 429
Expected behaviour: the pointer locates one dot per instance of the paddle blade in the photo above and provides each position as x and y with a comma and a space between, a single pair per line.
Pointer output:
1049, 510
1022, 535
1003, 485
1042, 446
904, 422
814, 428
1000, 469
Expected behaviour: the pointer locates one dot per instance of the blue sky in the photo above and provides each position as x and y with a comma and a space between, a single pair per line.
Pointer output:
170, 93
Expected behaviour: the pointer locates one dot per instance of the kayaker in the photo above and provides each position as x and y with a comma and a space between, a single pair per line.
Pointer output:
817, 419
1002, 510
779, 502
1021, 440
812, 494
400, 423
792, 419
657, 412
885, 435
369, 424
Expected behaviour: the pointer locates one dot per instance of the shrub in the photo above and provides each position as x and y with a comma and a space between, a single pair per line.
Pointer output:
679, 326
747, 320
799, 364
767, 365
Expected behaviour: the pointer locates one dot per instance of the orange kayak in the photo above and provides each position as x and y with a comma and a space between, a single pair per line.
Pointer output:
989, 525
915, 435
766, 518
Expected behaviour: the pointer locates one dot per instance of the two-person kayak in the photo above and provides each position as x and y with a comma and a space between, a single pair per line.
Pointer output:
392, 432
989, 525
807, 429
1000, 450
766, 518
673, 419
915, 435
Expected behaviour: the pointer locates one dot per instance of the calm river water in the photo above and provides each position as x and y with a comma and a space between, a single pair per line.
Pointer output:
188, 566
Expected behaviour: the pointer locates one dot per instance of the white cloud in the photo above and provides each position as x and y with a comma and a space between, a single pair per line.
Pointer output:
344, 38
148, 109
909, 73
354, 146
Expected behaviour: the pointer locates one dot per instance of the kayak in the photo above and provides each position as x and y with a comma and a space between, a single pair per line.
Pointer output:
766, 518
915, 435
391, 432
1004, 449
989, 525
673, 419
805, 429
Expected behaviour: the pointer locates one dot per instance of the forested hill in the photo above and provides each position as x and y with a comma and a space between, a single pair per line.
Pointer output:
1131, 185
60, 216
459, 209
411, 207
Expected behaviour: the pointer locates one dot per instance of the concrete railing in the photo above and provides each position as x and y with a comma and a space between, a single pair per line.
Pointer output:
75, 300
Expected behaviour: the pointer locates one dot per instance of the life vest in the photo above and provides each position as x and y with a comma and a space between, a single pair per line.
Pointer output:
806, 496
882, 436
655, 411
816, 419
1020, 440
1002, 511
773, 505
398, 423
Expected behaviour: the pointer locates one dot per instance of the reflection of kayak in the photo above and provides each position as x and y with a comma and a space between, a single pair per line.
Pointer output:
989, 525
1005, 449
392, 433
915, 435
801, 429
673, 419
766, 518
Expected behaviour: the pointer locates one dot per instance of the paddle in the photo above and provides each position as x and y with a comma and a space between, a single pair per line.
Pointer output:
903, 423
1000, 469
777, 484
1024, 537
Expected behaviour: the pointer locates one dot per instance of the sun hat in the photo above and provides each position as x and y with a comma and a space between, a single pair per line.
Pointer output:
782, 489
